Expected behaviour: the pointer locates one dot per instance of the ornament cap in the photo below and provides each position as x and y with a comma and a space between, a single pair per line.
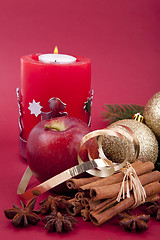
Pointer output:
138, 117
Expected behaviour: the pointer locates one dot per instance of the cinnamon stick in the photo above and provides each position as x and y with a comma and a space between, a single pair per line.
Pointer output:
85, 202
110, 191
103, 216
76, 183
85, 215
109, 205
79, 196
153, 198
74, 208
139, 167
96, 205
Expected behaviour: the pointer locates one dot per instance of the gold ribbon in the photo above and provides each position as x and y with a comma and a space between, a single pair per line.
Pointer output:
125, 134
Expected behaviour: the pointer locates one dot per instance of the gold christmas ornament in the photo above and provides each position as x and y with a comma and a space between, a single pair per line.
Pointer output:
115, 148
152, 114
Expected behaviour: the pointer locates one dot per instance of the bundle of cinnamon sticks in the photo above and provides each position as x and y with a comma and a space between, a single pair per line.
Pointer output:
95, 198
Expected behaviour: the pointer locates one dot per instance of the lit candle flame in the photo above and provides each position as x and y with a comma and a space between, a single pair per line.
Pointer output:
56, 50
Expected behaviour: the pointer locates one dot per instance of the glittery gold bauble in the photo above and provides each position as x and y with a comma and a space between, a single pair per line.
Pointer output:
115, 148
152, 114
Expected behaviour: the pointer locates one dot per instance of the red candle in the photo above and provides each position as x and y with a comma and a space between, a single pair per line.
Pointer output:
41, 81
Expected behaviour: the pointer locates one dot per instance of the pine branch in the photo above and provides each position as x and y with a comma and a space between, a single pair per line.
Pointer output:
117, 112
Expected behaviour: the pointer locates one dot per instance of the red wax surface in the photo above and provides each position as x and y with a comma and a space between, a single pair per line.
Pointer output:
40, 81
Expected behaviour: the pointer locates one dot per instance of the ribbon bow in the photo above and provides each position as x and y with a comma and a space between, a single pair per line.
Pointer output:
131, 182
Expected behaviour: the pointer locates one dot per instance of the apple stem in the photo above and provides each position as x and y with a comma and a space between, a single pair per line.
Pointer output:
51, 127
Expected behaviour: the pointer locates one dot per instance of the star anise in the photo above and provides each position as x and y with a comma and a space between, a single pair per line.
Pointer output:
56, 222
153, 208
134, 223
54, 204
23, 216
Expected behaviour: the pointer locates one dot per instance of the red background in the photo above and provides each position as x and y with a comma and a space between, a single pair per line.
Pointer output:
122, 38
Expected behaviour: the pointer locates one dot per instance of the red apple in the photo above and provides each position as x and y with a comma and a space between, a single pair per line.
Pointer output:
52, 146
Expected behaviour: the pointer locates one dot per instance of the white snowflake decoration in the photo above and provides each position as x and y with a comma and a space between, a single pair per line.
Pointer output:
35, 108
